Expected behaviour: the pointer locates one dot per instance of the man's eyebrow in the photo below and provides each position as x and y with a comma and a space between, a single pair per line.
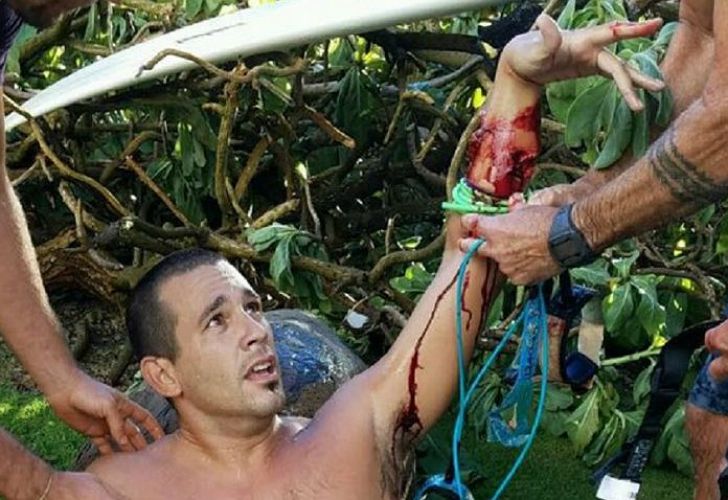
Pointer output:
250, 293
215, 304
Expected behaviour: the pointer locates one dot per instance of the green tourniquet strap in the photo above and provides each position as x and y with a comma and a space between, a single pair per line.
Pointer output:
464, 202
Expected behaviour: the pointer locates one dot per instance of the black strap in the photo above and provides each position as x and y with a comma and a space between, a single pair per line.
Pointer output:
672, 365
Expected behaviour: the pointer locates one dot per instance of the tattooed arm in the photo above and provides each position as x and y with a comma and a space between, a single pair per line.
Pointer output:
684, 170
685, 69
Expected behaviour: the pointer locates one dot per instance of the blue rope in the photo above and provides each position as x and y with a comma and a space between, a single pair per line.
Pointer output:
465, 396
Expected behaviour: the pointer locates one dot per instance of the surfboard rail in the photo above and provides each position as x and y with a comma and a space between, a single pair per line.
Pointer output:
240, 34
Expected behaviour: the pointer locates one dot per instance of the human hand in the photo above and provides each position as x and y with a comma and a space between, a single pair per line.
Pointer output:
78, 486
103, 414
698, 14
518, 241
716, 340
548, 55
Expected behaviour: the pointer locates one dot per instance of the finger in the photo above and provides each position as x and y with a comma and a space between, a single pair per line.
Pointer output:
466, 244
549, 197
103, 444
615, 68
116, 425
622, 30
136, 438
142, 418
550, 32
644, 81
516, 201
718, 368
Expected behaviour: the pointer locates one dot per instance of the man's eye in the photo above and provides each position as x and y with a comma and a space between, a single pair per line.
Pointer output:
216, 321
252, 307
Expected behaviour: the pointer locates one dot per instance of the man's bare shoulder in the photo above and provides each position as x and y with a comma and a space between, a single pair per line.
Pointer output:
125, 472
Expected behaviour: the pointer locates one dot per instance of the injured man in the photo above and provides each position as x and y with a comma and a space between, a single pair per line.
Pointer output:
197, 327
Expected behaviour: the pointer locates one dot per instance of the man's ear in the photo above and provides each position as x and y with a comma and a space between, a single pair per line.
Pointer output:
161, 376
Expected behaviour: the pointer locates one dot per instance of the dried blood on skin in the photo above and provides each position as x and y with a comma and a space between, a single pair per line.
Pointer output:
616, 26
499, 162
409, 418
465, 309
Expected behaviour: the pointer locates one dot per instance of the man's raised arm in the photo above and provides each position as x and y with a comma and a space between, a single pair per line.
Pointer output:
414, 383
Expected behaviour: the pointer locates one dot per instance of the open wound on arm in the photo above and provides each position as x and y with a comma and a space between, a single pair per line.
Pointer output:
502, 153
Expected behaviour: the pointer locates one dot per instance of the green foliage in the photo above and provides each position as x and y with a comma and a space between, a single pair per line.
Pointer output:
288, 242
595, 114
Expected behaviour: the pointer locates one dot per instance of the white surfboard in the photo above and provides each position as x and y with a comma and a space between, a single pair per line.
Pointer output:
277, 26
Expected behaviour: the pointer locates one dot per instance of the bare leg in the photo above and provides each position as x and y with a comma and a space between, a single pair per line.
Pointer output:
708, 433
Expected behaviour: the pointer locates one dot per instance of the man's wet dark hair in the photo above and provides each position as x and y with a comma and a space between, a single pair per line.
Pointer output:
149, 321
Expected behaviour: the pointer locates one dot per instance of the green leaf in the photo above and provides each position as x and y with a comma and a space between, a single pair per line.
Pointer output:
264, 238
666, 34
212, 5
12, 64
558, 398
618, 306
280, 262
618, 136
608, 441
583, 423
93, 14
186, 149
198, 153
675, 313
650, 312
595, 274
624, 264
192, 8
567, 15
580, 119
641, 387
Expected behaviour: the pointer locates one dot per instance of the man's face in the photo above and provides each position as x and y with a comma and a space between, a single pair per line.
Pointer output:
226, 361
42, 13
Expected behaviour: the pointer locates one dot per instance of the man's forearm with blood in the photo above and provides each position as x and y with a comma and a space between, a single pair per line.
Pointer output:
502, 154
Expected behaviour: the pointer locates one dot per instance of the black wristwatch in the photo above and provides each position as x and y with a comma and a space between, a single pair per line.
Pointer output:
566, 243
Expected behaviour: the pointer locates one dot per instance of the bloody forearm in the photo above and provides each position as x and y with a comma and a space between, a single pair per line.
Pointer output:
502, 152
502, 155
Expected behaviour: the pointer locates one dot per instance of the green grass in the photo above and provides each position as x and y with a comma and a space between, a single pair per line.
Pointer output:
28, 417
551, 472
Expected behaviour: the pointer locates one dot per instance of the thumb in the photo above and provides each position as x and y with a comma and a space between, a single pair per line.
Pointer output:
545, 196
116, 424
718, 368
550, 32
477, 225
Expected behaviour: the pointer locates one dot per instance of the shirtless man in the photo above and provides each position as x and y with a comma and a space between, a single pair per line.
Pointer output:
198, 328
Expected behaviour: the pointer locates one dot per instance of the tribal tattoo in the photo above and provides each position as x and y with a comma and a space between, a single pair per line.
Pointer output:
685, 180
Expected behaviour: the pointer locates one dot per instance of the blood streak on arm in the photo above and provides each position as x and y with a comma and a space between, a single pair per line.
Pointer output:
502, 155
408, 422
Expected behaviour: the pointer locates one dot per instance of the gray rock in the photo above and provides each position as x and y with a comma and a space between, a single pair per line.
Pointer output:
313, 361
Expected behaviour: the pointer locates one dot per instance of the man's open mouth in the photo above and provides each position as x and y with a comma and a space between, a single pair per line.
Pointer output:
263, 371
